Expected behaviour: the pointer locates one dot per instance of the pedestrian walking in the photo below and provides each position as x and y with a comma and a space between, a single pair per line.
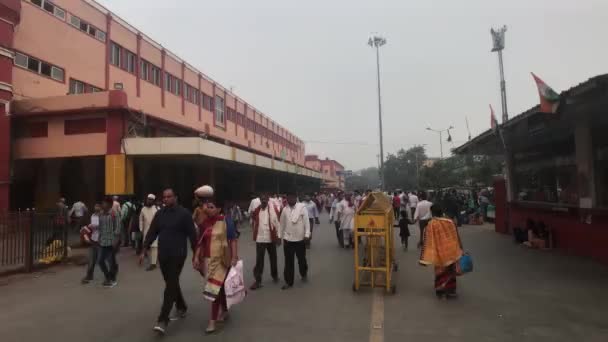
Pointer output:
313, 216
396, 204
145, 220
413, 202
109, 241
90, 234
233, 211
422, 215
442, 249
294, 231
127, 212
77, 215
346, 212
265, 234
334, 216
404, 230
173, 227
216, 251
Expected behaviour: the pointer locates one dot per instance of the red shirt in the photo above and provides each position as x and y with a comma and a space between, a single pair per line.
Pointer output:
396, 202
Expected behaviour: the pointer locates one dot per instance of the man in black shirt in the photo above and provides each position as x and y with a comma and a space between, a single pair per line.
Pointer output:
173, 226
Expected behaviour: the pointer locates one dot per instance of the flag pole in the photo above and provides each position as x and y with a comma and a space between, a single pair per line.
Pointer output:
498, 39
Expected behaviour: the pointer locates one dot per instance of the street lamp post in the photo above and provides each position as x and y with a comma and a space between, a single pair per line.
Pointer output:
498, 44
376, 41
440, 131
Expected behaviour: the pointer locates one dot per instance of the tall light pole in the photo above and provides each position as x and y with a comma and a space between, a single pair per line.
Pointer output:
498, 44
376, 41
440, 131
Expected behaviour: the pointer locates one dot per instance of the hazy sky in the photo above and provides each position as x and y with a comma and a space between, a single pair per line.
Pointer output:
306, 63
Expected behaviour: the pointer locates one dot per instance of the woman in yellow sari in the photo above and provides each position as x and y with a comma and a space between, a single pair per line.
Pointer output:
442, 248
216, 252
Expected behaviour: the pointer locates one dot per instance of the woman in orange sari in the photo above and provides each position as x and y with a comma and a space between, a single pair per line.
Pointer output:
442, 248
215, 253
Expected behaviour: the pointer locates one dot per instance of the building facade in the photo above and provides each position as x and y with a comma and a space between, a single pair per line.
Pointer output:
79, 85
556, 169
332, 172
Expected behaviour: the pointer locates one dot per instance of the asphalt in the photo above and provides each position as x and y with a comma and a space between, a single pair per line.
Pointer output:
514, 294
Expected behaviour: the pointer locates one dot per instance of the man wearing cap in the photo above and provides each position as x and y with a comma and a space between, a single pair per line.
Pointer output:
145, 219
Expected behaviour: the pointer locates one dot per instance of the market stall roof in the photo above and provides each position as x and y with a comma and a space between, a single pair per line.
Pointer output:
535, 127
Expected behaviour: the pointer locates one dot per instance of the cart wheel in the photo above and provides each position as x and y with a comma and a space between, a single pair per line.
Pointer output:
354, 288
395, 267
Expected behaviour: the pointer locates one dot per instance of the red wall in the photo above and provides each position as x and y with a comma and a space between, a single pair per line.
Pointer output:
10, 11
570, 233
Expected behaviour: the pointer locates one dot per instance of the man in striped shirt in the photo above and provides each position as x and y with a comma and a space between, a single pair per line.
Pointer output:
109, 239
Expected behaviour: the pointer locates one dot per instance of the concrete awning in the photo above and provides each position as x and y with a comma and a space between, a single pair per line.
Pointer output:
193, 146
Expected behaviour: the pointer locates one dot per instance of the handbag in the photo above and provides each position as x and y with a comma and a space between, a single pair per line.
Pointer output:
234, 286
464, 264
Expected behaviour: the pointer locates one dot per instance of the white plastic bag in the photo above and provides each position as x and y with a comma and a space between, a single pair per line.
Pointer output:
234, 286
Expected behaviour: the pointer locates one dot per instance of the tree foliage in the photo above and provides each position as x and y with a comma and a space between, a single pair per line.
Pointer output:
407, 170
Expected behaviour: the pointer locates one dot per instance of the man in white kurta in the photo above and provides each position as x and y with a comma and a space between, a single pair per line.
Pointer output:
294, 230
145, 218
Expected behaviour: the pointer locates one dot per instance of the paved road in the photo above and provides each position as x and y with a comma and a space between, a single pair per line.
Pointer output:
514, 294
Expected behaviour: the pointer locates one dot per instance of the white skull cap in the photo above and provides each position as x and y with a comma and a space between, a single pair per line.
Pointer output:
204, 191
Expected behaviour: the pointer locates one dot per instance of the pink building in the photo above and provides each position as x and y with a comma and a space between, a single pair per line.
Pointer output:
331, 171
86, 96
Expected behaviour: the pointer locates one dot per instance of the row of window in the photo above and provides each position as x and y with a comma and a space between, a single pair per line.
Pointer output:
122, 58
50, 7
79, 87
75, 21
39, 67
87, 28
149, 72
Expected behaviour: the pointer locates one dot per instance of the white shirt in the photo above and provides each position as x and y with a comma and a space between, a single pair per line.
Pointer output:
423, 211
94, 228
78, 209
347, 215
413, 200
264, 228
298, 230
313, 211
145, 219
255, 203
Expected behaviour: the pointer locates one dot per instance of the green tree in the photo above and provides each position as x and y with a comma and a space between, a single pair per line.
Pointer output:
402, 170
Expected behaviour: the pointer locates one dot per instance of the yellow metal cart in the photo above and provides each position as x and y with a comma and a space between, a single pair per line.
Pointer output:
374, 243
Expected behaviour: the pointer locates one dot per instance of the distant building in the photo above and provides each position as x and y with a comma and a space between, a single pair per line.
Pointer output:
429, 162
331, 171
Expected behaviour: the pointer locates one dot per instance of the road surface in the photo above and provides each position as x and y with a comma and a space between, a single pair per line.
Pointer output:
514, 294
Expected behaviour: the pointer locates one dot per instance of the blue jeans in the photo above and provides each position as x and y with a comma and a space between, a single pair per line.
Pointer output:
108, 256
93, 259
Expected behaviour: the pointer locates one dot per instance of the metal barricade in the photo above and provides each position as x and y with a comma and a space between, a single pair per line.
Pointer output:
29, 238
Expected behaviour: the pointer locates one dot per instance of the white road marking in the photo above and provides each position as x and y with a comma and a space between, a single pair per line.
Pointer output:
376, 331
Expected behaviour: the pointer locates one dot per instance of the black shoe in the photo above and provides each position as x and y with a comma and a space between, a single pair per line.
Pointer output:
151, 268
179, 314
86, 280
161, 327
286, 287
109, 283
275, 280
255, 286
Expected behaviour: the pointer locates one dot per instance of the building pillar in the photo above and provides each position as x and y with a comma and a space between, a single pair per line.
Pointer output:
252, 182
584, 164
10, 14
5, 159
48, 187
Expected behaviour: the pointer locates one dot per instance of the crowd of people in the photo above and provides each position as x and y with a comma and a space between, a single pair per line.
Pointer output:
162, 231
